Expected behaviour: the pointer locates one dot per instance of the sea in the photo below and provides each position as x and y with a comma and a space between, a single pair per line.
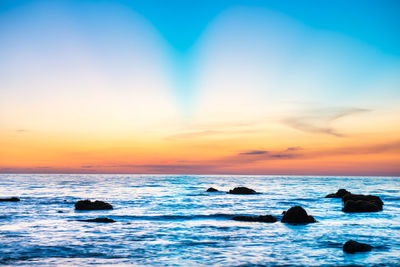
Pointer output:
170, 220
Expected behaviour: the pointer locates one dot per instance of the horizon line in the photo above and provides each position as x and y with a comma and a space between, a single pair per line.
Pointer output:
205, 174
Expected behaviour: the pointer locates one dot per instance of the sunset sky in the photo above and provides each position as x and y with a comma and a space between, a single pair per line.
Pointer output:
200, 87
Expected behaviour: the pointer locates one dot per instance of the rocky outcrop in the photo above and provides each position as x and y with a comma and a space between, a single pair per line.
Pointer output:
212, 189
10, 199
361, 203
361, 206
89, 205
339, 194
242, 191
297, 215
352, 246
370, 198
261, 218
98, 220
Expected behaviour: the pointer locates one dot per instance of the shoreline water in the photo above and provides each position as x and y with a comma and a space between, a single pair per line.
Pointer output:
171, 220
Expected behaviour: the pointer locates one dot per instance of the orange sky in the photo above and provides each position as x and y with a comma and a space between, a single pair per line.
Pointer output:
221, 89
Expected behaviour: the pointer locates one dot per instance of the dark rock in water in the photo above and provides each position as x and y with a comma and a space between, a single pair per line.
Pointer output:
297, 215
99, 220
361, 206
339, 194
361, 203
10, 199
261, 218
60, 211
242, 191
352, 246
89, 205
377, 200
212, 189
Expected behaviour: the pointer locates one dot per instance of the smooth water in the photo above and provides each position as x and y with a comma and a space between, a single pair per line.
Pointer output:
171, 220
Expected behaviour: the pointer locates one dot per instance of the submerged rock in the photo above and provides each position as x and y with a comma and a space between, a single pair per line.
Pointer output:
297, 215
212, 189
10, 199
352, 246
99, 220
339, 194
261, 218
89, 205
242, 191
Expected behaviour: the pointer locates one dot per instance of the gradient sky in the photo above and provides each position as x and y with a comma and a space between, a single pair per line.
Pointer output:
200, 87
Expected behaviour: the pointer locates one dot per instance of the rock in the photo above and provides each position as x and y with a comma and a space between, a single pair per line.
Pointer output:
242, 191
352, 246
377, 200
89, 205
99, 220
212, 189
261, 218
361, 203
361, 206
60, 211
339, 194
10, 199
297, 215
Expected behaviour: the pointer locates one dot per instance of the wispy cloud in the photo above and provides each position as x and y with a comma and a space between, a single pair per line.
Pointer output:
194, 134
21, 131
263, 155
206, 133
295, 148
254, 152
319, 120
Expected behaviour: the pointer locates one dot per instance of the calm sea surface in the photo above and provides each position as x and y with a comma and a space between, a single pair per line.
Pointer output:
171, 220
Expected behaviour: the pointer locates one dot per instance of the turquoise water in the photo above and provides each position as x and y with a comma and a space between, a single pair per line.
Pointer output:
171, 220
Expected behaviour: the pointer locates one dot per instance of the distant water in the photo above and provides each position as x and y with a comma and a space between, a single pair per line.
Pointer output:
171, 220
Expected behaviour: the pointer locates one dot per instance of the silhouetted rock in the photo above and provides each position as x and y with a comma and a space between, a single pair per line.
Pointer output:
361, 203
352, 246
10, 199
297, 215
212, 189
339, 194
242, 191
60, 211
89, 205
98, 220
361, 206
261, 218
377, 200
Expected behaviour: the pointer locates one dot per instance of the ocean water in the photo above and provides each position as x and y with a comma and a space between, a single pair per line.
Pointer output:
171, 220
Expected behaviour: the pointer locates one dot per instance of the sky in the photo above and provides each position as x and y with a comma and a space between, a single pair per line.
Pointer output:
200, 87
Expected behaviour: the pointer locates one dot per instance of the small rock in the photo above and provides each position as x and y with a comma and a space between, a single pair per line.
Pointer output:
60, 211
352, 246
261, 218
242, 191
10, 199
99, 220
89, 205
339, 194
212, 189
297, 215
361, 206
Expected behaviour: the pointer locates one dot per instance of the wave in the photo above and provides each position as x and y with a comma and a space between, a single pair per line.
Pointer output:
176, 217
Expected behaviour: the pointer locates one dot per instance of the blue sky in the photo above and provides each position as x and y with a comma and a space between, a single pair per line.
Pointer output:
173, 77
